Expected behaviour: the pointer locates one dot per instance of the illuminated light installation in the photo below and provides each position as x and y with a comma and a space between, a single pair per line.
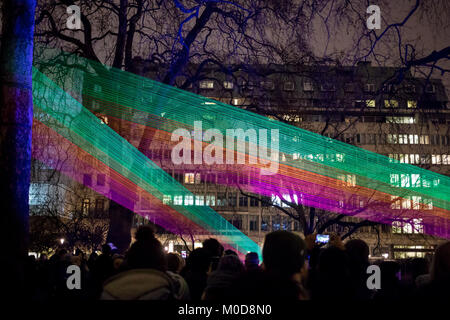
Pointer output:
69, 119
319, 165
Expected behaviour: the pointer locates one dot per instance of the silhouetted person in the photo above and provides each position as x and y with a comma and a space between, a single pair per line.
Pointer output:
230, 252
102, 270
196, 272
145, 275
214, 250
219, 282
391, 286
283, 262
252, 262
438, 287
358, 254
174, 262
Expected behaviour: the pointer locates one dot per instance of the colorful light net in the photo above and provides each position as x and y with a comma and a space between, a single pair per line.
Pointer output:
310, 169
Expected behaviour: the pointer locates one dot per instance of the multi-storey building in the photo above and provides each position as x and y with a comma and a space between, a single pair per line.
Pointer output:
366, 106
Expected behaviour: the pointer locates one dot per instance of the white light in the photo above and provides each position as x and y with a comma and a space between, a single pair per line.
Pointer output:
170, 246
61, 240
385, 255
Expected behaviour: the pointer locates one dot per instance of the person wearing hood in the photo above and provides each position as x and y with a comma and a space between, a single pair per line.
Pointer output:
145, 275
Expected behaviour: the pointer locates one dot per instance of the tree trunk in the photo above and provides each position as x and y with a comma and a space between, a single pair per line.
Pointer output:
16, 118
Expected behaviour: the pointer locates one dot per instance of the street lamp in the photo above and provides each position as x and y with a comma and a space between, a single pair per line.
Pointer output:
62, 241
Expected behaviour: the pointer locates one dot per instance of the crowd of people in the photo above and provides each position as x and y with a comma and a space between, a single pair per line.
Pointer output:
291, 269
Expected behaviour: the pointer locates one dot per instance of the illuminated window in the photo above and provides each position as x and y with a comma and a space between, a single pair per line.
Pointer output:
188, 200
199, 200
178, 200
403, 138
436, 159
396, 227
445, 159
390, 103
167, 199
392, 138
85, 206
228, 85
189, 178
237, 101
104, 119
370, 103
424, 139
412, 104
428, 204
405, 180
413, 139
211, 200
206, 84
404, 120
395, 203
38, 193
415, 180
395, 179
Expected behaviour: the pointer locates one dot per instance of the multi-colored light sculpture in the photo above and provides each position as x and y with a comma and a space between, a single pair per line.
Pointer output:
311, 169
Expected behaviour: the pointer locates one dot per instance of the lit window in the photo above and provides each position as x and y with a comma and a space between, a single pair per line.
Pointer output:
445, 159
390, 103
405, 120
104, 119
424, 139
413, 139
436, 159
228, 85
370, 103
417, 225
189, 178
178, 200
412, 104
189, 200
405, 181
288, 86
403, 138
85, 206
167, 199
206, 84
428, 204
199, 200
211, 200
237, 102
397, 227
415, 180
